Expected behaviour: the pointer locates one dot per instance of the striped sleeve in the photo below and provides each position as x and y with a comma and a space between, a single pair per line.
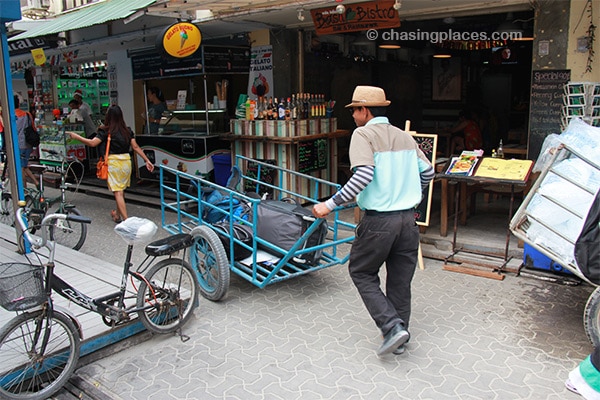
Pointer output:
361, 177
427, 173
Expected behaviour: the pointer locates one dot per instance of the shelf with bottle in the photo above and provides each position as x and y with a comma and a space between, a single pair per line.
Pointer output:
295, 107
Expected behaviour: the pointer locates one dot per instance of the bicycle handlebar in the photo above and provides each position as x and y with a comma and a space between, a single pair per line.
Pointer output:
48, 220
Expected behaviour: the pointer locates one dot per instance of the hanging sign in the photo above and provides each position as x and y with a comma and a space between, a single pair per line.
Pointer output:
39, 57
181, 40
356, 17
260, 80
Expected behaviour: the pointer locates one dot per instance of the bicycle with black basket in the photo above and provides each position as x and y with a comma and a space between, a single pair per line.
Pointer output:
39, 348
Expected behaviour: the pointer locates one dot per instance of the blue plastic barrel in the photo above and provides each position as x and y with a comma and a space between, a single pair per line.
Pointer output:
222, 165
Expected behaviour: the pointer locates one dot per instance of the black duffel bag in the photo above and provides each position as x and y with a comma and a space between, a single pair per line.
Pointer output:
241, 232
282, 223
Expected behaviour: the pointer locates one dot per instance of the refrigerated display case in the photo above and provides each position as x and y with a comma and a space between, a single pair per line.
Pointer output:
184, 143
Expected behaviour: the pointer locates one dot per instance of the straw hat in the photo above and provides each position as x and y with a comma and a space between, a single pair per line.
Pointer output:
368, 96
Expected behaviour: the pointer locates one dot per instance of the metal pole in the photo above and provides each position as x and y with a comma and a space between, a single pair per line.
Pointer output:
10, 127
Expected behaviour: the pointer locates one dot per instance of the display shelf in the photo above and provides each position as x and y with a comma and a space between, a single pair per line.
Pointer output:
95, 92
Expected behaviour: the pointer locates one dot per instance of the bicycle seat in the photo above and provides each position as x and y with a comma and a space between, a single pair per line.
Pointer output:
37, 169
136, 230
169, 245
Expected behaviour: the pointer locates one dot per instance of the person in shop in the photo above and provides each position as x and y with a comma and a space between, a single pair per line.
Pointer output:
83, 106
377, 149
81, 115
122, 140
23, 120
466, 134
156, 107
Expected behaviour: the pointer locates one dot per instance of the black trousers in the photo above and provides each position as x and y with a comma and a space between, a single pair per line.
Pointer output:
393, 239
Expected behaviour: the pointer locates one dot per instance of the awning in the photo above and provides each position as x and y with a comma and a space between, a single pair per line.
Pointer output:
94, 14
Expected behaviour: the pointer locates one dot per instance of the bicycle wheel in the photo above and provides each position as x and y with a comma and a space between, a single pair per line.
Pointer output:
26, 373
210, 262
172, 292
69, 233
7, 212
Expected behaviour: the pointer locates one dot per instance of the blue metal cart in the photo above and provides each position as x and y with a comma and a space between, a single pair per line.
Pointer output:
184, 202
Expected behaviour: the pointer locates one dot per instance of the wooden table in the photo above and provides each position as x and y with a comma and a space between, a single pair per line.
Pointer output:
465, 185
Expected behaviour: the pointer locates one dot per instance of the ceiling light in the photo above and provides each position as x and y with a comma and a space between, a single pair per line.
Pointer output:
340, 8
442, 55
301, 14
397, 5
389, 45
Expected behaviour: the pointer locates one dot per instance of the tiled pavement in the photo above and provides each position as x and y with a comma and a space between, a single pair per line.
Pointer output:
311, 338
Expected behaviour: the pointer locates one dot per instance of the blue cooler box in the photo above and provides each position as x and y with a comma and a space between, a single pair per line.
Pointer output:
534, 259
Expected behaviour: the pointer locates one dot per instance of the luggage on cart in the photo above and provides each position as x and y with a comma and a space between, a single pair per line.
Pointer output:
282, 223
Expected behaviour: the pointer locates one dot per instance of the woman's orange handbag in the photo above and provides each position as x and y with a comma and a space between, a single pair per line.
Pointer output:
102, 164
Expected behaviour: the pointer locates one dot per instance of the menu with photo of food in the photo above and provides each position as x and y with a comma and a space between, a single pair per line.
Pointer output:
462, 165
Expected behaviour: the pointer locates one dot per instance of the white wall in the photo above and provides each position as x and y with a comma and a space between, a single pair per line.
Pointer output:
124, 84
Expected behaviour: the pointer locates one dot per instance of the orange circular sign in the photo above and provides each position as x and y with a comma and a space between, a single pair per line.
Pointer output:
182, 39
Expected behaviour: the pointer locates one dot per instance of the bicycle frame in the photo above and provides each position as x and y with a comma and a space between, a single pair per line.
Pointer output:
115, 313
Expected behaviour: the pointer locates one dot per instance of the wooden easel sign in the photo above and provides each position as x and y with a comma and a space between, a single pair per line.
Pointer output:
428, 145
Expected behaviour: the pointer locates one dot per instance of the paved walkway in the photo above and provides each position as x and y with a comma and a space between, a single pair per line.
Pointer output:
311, 337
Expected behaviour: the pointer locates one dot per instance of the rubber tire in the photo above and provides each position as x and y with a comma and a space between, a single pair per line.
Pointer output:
74, 239
210, 262
22, 327
173, 267
7, 212
591, 317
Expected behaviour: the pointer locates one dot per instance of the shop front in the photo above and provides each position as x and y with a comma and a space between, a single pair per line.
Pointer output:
190, 130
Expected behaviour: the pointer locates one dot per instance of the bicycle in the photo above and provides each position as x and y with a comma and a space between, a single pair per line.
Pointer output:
7, 213
39, 348
67, 232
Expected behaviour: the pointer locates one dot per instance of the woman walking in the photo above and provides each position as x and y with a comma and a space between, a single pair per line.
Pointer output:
122, 140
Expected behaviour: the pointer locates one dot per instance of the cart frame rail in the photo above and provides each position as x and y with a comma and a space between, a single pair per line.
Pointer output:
268, 263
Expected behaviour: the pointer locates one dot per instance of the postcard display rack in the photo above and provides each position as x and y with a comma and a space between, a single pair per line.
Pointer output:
581, 100
487, 172
52, 137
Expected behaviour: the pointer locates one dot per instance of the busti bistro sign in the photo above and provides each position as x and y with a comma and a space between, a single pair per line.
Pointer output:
356, 17
181, 40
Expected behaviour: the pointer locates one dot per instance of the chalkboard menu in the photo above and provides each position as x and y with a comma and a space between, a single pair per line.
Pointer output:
545, 108
428, 145
262, 174
312, 155
216, 60
154, 65
221, 59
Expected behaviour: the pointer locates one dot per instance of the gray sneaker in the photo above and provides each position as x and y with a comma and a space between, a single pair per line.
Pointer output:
399, 350
393, 339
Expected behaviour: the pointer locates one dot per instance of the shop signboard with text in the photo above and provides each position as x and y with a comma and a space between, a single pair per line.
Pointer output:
355, 17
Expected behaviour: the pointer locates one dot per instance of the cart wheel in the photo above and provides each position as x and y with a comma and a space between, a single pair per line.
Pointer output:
210, 262
591, 317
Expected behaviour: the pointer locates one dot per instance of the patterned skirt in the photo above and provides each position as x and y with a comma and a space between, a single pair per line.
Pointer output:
119, 172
